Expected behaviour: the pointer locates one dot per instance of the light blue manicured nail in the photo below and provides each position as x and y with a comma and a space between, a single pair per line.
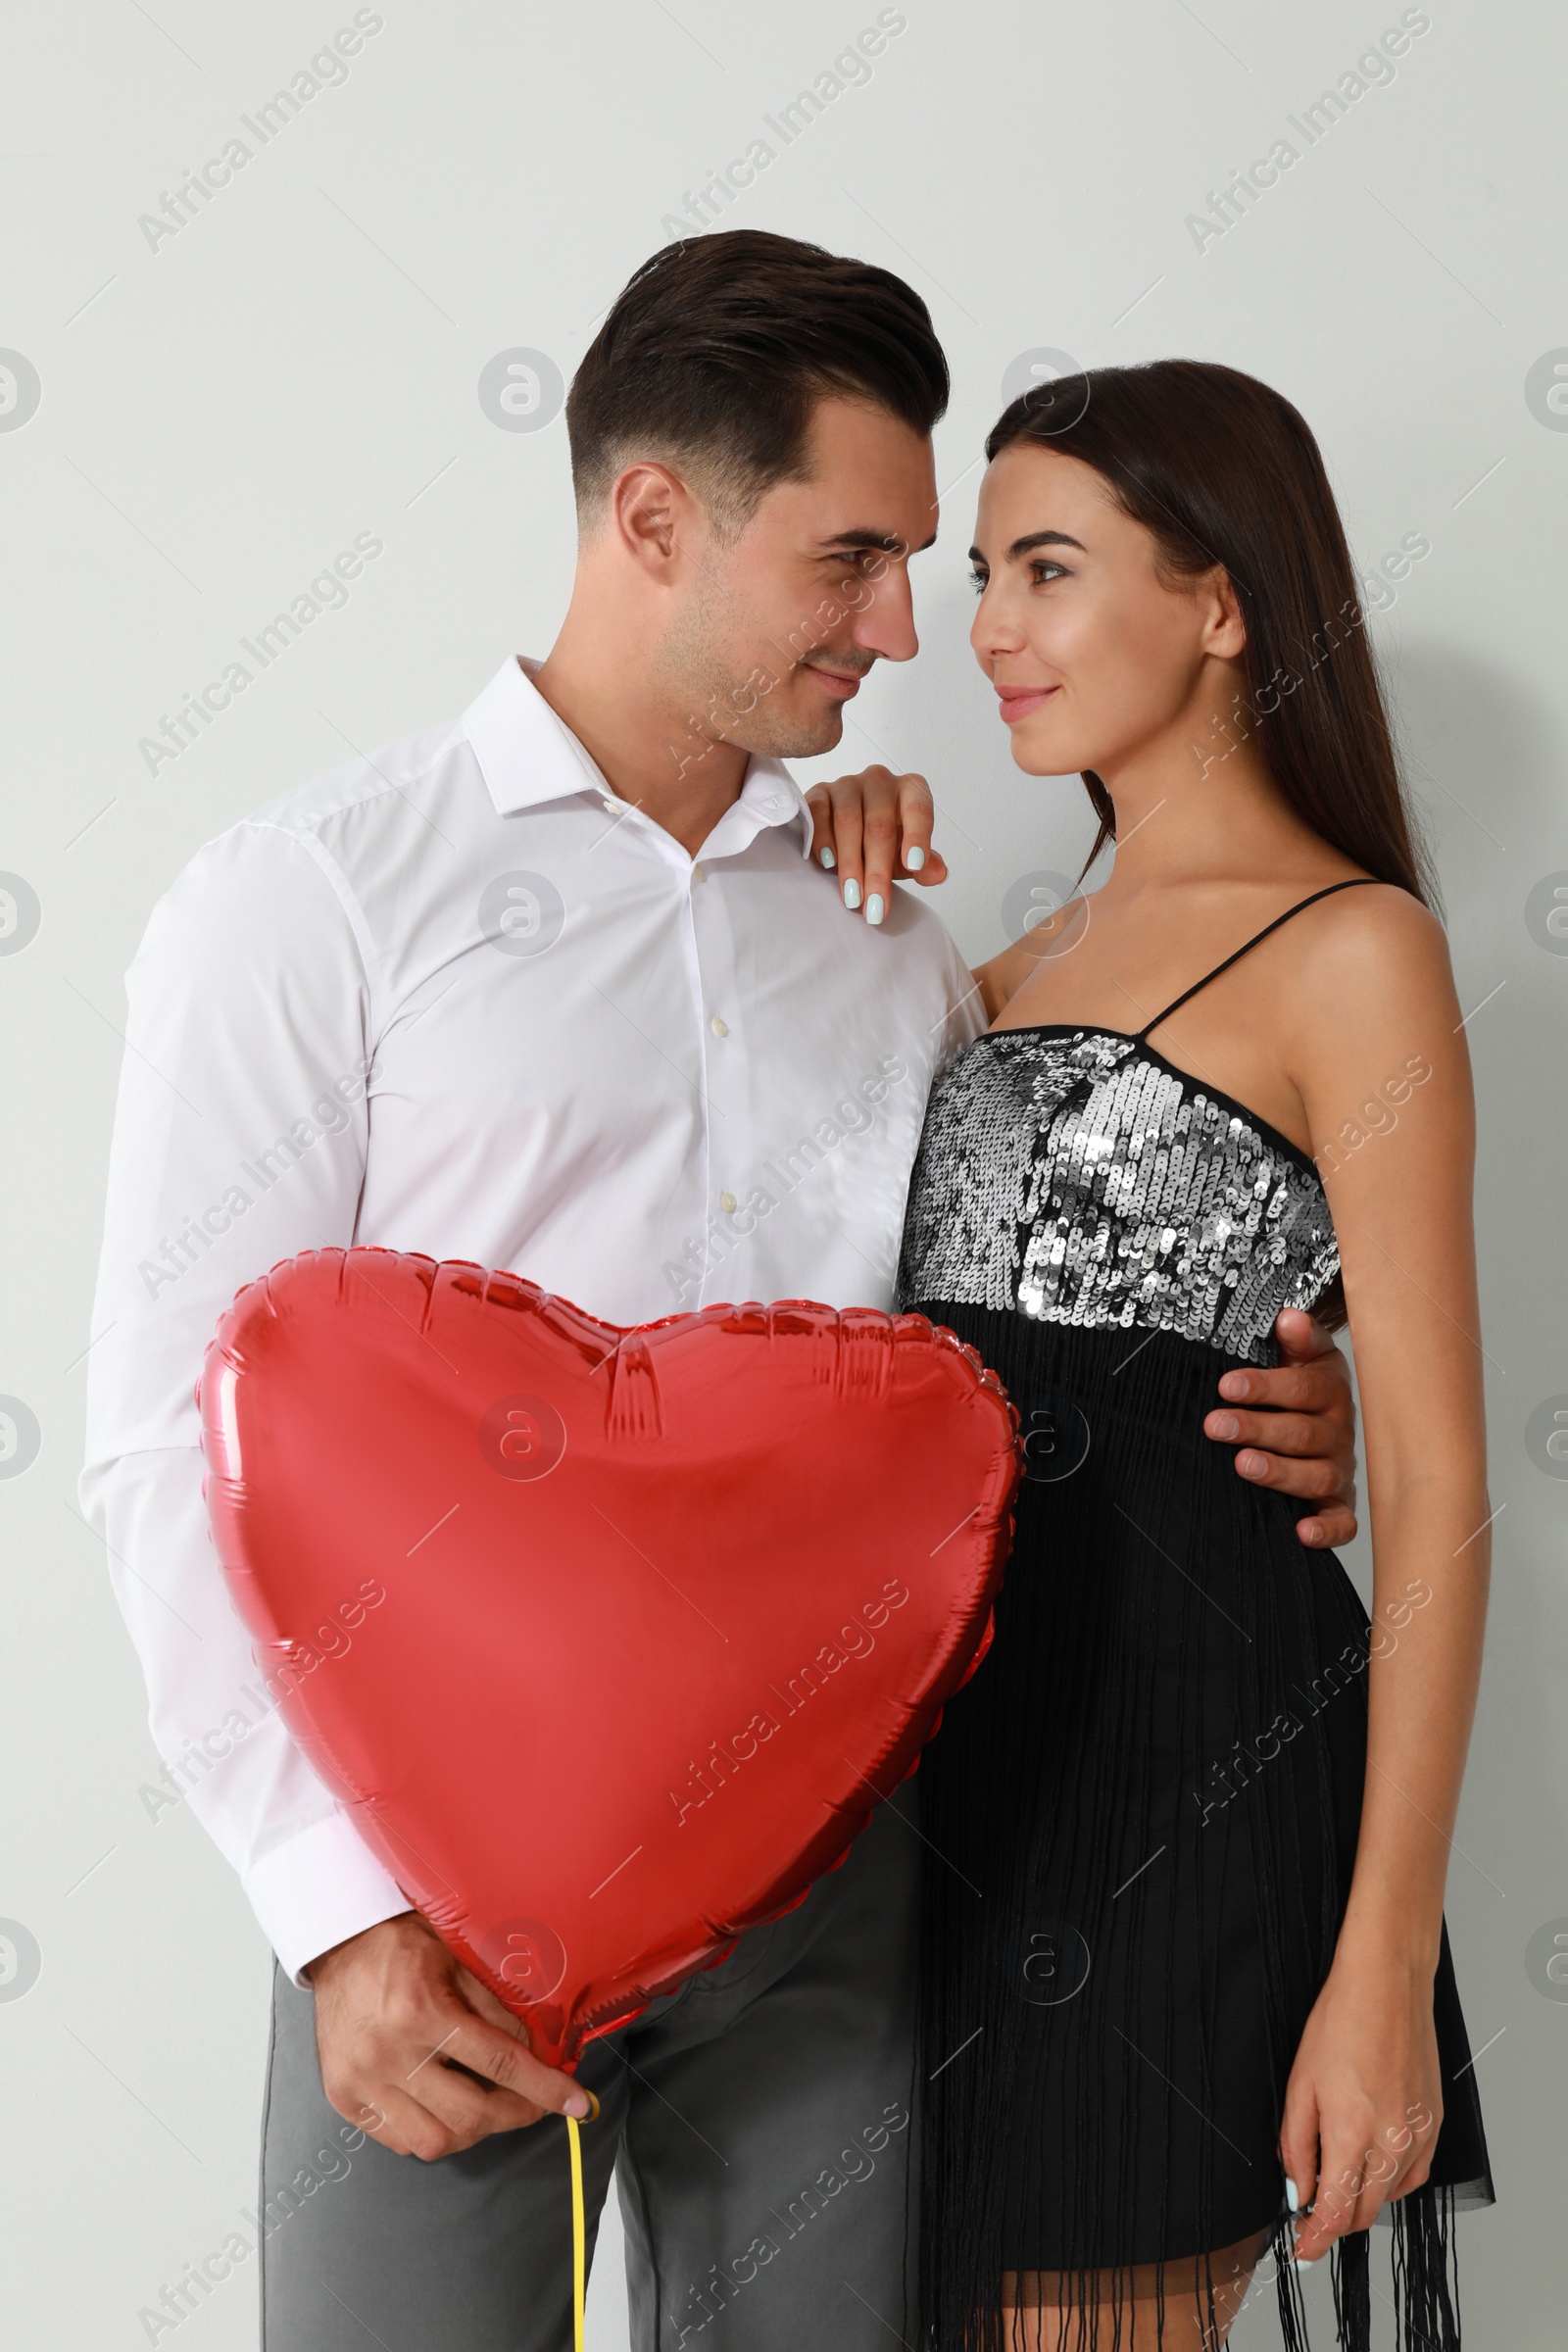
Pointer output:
851, 896
1292, 2199
913, 860
1308, 2262
828, 859
875, 909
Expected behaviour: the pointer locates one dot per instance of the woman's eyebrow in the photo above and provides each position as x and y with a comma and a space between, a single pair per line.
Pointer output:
1021, 547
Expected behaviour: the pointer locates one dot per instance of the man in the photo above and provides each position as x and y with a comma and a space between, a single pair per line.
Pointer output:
557, 988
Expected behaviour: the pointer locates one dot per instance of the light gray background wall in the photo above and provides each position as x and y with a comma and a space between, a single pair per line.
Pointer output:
222, 411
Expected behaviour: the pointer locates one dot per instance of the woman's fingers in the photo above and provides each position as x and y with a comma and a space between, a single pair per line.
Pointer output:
917, 818
1336, 2177
871, 829
1380, 2176
1299, 2144
849, 801
1339, 2186
879, 849
1421, 2123
1361, 2106
819, 802
1354, 2185
836, 833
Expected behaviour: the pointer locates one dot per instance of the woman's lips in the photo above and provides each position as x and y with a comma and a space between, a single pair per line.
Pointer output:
1018, 700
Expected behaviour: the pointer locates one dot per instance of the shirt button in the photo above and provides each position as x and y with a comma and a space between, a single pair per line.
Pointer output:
614, 806
718, 1025
728, 1204
698, 874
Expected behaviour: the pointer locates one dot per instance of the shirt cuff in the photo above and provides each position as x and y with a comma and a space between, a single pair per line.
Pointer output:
320, 1887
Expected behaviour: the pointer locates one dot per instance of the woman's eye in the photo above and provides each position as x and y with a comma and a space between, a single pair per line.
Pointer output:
1041, 570
979, 581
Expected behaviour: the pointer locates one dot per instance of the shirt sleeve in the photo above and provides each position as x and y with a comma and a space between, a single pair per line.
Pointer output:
240, 1137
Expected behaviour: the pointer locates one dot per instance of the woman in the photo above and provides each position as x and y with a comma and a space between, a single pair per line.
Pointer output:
1188, 1985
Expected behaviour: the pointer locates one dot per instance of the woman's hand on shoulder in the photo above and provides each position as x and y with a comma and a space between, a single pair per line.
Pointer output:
873, 829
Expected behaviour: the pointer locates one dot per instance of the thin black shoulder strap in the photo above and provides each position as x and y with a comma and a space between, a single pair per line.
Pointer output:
1357, 882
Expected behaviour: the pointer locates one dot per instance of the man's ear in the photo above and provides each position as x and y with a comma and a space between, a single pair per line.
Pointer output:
651, 512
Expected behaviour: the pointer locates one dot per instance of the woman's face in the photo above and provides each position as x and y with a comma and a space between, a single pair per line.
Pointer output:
1093, 657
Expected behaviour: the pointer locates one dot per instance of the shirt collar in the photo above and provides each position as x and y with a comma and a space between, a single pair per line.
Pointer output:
769, 796
528, 756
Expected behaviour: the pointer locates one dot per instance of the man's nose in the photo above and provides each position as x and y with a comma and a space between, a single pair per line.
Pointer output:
887, 625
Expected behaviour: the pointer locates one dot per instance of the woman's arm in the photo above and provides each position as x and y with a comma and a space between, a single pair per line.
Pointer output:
1381, 1063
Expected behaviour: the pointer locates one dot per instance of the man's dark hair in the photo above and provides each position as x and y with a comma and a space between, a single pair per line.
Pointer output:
716, 354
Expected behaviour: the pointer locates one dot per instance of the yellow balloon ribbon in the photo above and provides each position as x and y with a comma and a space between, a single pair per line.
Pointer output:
579, 2237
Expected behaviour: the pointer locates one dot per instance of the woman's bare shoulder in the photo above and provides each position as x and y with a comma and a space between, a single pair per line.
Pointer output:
1378, 936
1372, 981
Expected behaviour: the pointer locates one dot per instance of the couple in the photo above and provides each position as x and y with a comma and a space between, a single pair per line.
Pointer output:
552, 989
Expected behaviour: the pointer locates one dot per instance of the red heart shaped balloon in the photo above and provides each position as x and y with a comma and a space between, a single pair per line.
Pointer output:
609, 1638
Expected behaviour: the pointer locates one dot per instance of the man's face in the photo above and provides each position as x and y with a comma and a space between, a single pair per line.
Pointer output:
780, 624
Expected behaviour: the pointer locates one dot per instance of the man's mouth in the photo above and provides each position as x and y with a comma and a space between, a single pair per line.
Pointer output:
837, 684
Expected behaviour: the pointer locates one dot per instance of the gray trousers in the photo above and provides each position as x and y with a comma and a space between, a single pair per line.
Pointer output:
757, 2123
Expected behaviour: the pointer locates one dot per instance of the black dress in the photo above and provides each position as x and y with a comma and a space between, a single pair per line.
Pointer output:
1145, 1805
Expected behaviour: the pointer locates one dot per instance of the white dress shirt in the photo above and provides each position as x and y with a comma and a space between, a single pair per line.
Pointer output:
460, 999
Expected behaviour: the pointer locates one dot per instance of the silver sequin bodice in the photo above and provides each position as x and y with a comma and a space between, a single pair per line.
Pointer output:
1076, 1177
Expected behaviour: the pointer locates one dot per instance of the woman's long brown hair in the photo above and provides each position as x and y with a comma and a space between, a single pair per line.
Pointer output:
1220, 469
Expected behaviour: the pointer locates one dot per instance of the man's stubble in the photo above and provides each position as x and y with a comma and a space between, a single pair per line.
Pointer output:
733, 680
